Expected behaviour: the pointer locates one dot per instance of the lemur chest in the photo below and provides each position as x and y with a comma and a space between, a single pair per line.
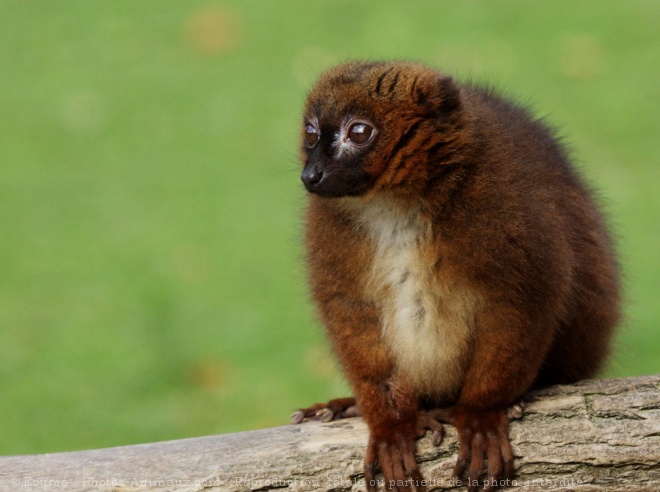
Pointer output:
427, 317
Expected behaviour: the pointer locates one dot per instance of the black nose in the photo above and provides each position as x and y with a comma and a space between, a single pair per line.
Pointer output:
311, 177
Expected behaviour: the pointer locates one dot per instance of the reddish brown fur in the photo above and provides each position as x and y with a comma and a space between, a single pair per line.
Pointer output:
499, 217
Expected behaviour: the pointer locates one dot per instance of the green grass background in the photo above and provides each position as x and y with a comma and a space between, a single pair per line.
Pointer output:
151, 285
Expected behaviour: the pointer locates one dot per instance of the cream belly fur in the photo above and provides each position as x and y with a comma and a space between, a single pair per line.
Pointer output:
428, 323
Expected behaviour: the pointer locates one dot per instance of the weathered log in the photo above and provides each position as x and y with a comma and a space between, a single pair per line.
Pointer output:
594, 435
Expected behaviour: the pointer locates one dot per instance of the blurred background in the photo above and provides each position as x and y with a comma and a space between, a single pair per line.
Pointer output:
151, 285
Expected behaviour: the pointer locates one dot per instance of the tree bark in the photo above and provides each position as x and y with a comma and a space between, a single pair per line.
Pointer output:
594, 435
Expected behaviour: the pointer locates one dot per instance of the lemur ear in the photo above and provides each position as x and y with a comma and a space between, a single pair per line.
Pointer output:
433, 94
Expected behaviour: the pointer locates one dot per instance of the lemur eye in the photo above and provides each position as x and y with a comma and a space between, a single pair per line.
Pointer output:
311, 135
360, 133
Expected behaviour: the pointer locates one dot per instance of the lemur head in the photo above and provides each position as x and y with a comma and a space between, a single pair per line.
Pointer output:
371, 125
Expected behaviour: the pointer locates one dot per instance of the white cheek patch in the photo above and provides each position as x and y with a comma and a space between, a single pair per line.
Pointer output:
341, 146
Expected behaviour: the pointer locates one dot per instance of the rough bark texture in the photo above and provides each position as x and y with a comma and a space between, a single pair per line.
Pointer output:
595, 435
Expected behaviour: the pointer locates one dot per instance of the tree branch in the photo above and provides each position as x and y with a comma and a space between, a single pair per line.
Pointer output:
594, 435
